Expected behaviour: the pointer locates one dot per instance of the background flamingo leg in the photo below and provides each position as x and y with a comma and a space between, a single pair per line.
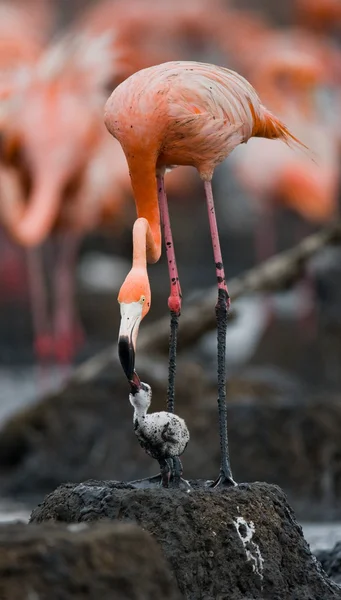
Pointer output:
12, 269
68, 333
42, 330
222, 308
174, 300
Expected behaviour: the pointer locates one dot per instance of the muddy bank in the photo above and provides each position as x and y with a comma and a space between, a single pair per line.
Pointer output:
235, 543
111, 561
87, 433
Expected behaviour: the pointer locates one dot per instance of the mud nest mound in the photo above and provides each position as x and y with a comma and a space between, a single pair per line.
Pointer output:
232, 543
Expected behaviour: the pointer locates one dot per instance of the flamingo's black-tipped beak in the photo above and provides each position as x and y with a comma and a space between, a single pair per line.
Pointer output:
131, 314
126, 353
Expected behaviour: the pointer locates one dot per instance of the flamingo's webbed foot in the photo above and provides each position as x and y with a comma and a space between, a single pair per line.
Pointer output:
224, 479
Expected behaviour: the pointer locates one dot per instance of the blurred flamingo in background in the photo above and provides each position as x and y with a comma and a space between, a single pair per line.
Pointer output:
246, 32
55, 127
289, 79
183, 29
22, 40
23, 31
321, 16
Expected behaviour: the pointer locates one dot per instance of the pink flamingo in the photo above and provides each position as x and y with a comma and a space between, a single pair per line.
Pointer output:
179, 113
55, 134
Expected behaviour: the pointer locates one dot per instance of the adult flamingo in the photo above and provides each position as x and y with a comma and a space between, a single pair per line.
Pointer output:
23, 34
52, 132
179, 113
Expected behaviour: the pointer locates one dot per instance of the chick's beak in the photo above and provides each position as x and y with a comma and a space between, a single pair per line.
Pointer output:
131, 314
135, 384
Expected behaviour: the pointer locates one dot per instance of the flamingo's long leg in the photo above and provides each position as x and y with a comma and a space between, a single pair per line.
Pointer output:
43, 338
67, 330
13, 286
222, 308
174, 300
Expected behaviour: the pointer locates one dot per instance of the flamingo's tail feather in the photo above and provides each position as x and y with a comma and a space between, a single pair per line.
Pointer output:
272, 128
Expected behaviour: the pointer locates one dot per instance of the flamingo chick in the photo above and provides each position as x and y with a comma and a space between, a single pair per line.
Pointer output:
180, 113
163, 435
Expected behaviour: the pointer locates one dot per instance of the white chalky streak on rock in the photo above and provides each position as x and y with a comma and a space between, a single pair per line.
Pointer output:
253, 554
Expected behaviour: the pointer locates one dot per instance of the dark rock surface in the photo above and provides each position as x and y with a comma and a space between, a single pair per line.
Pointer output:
331, 561
230, 544
106, 561
87, 433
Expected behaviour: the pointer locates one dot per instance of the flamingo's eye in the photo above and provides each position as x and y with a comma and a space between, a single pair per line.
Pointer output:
143, 299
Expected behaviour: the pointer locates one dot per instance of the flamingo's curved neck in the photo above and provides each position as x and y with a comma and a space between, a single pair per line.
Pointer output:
147, 226
143, 241
30, 223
